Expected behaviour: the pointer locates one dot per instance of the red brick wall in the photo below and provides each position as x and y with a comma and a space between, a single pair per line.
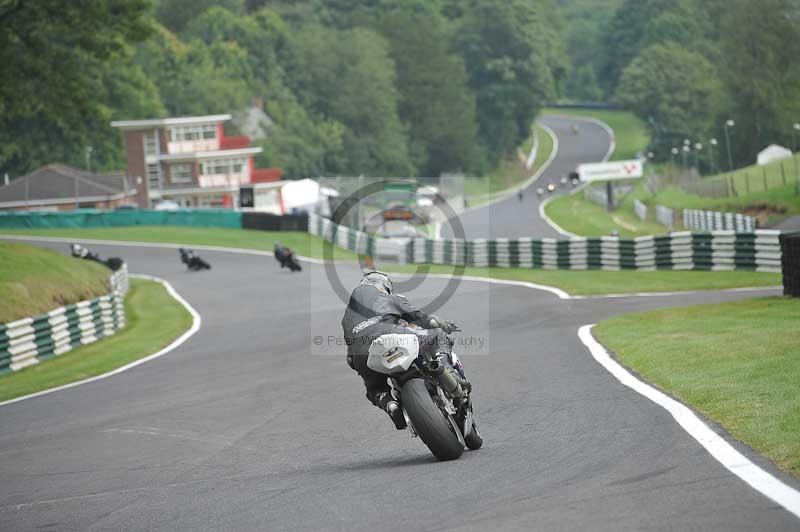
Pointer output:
137, 168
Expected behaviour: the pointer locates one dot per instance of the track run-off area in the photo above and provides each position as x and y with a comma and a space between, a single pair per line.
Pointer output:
252, 423
248, 425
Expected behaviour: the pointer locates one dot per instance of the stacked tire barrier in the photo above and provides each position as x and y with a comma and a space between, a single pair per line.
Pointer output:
718, 221
759, 250
719, 250
28, 341
790, 244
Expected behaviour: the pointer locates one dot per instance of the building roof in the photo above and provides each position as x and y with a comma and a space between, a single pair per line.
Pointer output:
161, 122
58, 183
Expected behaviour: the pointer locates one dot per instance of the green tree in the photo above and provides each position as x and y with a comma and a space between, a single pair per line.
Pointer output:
51, 96
513, 58
673, 87
197, 78
435, 102
175, 14
760, 46
348, 77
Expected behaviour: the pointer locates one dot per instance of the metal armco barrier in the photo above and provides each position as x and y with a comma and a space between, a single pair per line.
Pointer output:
28, 341
641, 209
343, 237
718, 221
665, 216
790, 244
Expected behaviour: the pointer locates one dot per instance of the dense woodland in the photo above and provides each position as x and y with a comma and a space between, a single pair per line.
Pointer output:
388, 87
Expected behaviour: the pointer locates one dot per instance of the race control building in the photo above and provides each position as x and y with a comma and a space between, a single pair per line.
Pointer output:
190, 161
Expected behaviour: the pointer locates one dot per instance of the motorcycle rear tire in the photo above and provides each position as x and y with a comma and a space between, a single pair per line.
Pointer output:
430, 423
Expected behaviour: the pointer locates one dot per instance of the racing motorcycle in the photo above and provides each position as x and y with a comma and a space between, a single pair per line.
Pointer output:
193, 261
435, 401
288, 260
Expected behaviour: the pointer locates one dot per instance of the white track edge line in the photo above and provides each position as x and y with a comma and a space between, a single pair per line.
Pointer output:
196, 322
734, 461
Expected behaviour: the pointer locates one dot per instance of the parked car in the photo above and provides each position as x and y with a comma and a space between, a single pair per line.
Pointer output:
166, 205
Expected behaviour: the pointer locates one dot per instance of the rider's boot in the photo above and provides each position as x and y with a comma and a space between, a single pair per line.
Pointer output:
387, 403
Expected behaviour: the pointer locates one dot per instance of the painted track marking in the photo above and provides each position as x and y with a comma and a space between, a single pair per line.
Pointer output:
196, 322
734, 461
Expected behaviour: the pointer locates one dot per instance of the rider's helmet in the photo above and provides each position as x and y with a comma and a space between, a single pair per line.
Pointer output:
378, 280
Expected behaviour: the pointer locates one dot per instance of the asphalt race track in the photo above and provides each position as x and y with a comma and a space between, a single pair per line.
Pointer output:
512, 218
244, 427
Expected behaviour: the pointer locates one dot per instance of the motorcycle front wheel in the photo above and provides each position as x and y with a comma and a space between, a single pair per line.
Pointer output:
431, 424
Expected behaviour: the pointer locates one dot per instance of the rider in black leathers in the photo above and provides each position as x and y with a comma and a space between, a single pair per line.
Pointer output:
373, 310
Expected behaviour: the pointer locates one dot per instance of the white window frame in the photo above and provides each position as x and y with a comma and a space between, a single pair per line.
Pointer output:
193, 133
185, 175
150, 139
153, 180
225, 166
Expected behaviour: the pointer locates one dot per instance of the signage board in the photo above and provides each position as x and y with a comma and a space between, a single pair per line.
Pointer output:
611, 171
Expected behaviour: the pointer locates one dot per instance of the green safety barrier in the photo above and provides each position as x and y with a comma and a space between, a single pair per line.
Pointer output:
122, 218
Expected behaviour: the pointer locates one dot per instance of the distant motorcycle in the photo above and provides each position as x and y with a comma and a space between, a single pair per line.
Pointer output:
193, 261
286, 258
80, 252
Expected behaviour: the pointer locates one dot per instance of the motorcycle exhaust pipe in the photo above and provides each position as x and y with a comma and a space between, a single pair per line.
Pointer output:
446, 379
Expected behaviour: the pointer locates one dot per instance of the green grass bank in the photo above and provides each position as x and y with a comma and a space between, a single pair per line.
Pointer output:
154, 319
34, 280
736, 363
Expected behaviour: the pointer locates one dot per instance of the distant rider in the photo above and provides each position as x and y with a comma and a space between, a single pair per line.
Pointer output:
285, 256
280, 253
373, 310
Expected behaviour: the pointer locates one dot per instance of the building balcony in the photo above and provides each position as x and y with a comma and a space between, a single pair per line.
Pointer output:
222, 180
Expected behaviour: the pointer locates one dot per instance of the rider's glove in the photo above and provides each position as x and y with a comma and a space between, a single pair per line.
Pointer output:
448, 326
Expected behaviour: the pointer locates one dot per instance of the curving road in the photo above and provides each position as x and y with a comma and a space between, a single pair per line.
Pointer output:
244, 427
512, 218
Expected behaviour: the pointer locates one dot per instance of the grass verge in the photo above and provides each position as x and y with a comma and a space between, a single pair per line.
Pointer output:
736, 363
300, 242
35, 280
630, 132
578, 215
600, 282
510, 172
154, 319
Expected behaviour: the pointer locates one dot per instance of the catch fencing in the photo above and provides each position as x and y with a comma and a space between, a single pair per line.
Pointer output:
718, 250
718, 221
28, 341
